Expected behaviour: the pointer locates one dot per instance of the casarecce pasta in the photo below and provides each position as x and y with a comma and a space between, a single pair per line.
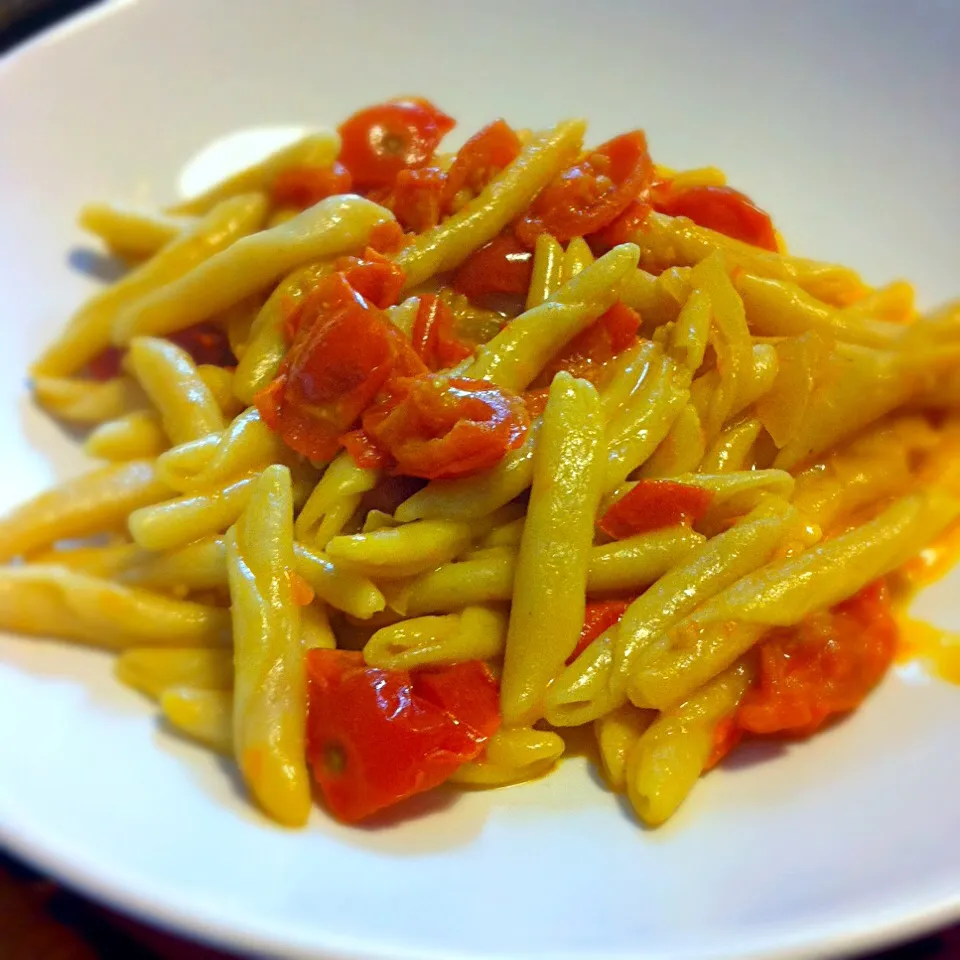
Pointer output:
417, 461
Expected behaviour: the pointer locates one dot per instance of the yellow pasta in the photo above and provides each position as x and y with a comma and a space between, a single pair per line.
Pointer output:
477, 633
92, 503
667, 241
670, 755
513, 756
547, 274
576, 258
134, 436
219, 382
515, 356
776, 308
785, 591
658, 299
202, 565
202, 715
681, 450
269, 708
171, 380
90, 330
317, 149
333, 226
731, 450
131, 233
645, 420
334, 500
174, 523
596, 681
266, 343
107, 561
315, 630
623, 567
53, 601
246, 445
617, 733
554, 549
87, 401
151, 670
401, 551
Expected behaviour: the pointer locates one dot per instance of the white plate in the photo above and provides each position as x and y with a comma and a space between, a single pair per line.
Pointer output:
839, 117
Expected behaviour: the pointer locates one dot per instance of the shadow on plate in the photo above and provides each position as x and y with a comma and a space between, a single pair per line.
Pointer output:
96, 264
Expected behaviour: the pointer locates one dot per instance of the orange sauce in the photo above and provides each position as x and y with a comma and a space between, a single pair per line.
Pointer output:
933, 561
937, 650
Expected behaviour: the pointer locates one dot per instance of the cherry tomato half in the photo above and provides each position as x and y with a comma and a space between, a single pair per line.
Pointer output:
722, 209
480, 159
591, 194
380, 141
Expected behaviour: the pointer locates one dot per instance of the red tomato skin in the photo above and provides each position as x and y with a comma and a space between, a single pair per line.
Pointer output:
599, 616
653, 504
440, 428
824, 666
364, 451
586, 354
373, 276
722, 209
302, 187
371, 740
467, 691
432, 334
415, 198
380, 141
480, 159
343, 352
621, 230
591, 194
502, 266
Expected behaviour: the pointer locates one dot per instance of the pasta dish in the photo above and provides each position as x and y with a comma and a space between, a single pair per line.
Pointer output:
412, 461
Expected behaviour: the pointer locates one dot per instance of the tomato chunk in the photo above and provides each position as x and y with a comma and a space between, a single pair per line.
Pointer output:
502, 266
415, 198
653, 504
438, 427
302, 187
373, 739
480, 159
824, 666
586, 354
380, 141
373, 276
591, 194
432, 334
622, 229
722, 209
342, 354
466, 691
599, 616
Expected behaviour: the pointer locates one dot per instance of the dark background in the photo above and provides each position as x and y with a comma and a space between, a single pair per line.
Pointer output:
40, 920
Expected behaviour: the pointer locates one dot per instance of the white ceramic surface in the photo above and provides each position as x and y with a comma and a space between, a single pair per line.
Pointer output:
841, 118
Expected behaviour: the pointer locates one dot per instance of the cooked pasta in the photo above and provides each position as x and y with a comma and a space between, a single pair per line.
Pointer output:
417, 460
